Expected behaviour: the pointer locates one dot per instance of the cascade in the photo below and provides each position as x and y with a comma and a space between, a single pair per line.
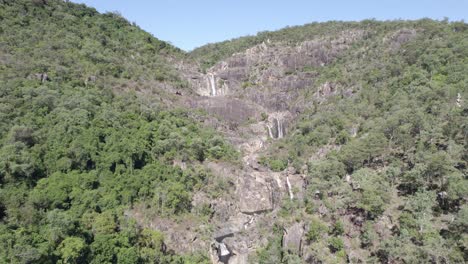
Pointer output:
212, 84
223, 250
280, 127
291, 195
270, 133
276, 129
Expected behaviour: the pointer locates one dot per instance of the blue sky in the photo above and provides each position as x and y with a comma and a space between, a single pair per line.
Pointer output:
193, 23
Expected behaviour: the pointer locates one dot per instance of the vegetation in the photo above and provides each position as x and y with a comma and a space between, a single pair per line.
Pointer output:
394, 147
209, 54
80, 147
74, 155
74, 44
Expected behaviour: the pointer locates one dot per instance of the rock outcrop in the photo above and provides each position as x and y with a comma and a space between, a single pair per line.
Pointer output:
292, 238
253, 97
272, 74
255, 195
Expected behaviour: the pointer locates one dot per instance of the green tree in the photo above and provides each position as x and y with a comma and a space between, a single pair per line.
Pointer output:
72, 250
316, 229
373, 193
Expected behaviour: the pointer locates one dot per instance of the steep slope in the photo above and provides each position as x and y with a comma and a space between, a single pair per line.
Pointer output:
356, 123
62, 41
345, 142
210, 54
88, 130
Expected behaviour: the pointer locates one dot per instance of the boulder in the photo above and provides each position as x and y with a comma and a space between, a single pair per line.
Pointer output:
43, 77
292, 238
239, 259
228, 230
254, 196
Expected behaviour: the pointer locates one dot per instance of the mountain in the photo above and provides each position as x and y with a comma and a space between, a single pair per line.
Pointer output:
89, 127
355, 134
325, 143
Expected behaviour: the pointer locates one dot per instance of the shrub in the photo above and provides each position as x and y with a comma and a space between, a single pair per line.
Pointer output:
335, 244
316, 229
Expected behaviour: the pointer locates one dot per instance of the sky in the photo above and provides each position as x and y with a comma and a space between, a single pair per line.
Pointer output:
188, 24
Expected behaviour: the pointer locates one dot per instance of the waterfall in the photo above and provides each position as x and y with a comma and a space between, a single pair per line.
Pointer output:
269, 131
291, 195
223, 250
280, 128
212, 84
275, 130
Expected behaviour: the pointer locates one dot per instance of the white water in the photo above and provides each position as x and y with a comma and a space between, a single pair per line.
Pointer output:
212, 84
280, 128
270, 133
348, 178
291, 195
223, 250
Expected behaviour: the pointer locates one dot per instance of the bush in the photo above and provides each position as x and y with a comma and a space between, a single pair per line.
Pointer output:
316, 229
338, 228
335, 244
274, 164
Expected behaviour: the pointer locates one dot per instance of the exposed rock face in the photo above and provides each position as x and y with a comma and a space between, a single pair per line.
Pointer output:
326, 90
292, 238
323, 151
223, 252
43, 77
255, 195
228, 109
90, 80
220, 253
272, 74
252, 97
239, 259
183, 236
401, 37
268, 78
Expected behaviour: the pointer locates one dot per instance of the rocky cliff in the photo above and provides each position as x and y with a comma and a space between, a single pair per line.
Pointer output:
325, 143
258, 93
258, 97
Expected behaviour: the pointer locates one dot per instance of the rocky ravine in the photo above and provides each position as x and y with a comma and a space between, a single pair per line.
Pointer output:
254, 97
254, 93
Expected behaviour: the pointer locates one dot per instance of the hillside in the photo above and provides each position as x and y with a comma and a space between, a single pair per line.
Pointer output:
337, 142
74, 43
364, 128
86, 131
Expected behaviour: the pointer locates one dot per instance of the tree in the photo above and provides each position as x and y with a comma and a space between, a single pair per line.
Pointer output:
373, 193
316, 229
72, 250
326, 175
104, 223
16, 162
127, 256
366, 149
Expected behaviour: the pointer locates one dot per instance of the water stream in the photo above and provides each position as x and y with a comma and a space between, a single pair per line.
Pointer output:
280, 127
212, 84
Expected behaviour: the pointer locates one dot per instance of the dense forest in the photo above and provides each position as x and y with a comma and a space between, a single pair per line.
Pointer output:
90, 128
74, 153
